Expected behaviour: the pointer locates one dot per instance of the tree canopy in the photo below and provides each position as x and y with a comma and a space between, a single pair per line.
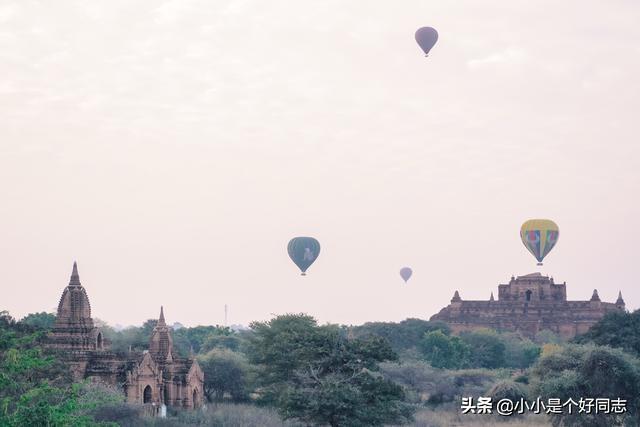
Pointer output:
317, 375
617, 329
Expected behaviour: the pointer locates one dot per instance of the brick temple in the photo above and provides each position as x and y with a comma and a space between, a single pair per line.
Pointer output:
528, 304
155, 377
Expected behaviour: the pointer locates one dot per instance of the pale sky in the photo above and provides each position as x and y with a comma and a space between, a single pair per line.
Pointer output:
174, 147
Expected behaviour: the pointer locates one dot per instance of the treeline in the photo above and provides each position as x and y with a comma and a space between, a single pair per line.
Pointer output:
374, 374
434, 343
199, 339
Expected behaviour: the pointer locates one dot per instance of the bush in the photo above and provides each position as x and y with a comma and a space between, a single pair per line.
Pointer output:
575, 372
507, 389
225, 415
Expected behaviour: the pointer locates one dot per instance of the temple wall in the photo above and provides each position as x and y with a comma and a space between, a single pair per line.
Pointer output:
567, 319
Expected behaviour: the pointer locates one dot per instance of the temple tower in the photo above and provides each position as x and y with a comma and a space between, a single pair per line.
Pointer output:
161, 343
74, 328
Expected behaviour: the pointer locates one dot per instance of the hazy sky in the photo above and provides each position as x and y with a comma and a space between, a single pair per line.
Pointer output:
174, 147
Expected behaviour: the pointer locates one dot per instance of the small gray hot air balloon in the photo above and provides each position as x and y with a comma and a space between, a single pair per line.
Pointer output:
405, 273
426, 38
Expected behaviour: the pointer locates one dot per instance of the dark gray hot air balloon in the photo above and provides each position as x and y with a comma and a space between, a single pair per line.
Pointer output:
303, 251
405, 273
426, 38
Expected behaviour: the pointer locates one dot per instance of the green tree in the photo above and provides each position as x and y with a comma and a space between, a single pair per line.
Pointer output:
41, 321
225, 372
230, 342
135, 338
487, 349
315, 374
616, 329
401, 336
34, 387
443, 351
520, 352
187, 338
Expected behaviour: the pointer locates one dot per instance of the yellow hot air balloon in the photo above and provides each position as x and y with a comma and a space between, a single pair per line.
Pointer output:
539, 237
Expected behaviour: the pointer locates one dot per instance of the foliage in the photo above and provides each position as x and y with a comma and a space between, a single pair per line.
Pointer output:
42, 321
230, 342
507, 389
223, 415
315, 374
421, 382
443, 351
338, 400
425, 384
617, 329
450, 415
546, 336
487, 349
134, 337
197, 336
480, 348
401, 336
520, 352
104, 403
34, 388
225, 372
589, 371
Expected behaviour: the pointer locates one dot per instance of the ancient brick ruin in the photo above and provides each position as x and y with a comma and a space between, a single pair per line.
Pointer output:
528, 304
155, 377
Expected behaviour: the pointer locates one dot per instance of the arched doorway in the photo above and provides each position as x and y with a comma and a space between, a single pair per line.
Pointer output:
195, 398
146, 395
528, 293
99, 341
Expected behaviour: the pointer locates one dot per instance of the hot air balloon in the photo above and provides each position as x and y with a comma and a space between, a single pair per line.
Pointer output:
405, 273
426, 38
303, 251
539, 237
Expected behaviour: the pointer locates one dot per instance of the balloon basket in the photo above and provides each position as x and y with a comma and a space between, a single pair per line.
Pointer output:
539, 263
303, 274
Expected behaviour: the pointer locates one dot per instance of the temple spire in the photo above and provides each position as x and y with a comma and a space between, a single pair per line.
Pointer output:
456, 297
160, 343
595, 296
491, 299
75, 278
161, 321
620, 301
